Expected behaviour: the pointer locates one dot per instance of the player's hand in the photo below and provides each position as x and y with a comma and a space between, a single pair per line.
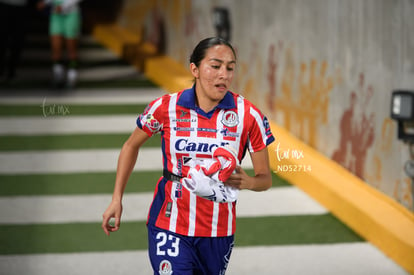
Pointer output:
239, 179
114, 210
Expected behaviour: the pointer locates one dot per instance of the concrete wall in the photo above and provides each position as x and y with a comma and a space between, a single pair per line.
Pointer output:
323, 69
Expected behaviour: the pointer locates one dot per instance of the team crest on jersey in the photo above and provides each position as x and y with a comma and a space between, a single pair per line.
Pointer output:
165, 268
152, 123
230, 119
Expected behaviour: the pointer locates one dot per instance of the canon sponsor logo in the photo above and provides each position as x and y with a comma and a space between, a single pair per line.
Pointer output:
184, 145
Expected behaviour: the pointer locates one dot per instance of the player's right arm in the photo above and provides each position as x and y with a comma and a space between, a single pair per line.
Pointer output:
126, 162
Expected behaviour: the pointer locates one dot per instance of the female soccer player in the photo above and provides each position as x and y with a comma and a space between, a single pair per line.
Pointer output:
191, 232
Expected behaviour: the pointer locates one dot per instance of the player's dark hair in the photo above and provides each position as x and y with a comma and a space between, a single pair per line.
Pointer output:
200, 50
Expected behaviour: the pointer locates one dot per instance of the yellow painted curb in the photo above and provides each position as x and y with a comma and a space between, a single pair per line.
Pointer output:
119, 40
370, 213
168, 73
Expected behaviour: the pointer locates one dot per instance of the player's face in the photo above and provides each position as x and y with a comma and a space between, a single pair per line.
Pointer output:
215, 73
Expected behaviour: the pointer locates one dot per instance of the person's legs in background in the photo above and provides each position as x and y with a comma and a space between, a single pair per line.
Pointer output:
72, 74
57, 44
72, 33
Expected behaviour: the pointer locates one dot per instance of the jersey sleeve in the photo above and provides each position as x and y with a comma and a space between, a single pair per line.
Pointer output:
260, 134
151, 120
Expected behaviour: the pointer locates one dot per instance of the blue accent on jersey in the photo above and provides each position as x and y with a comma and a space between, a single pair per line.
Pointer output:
188, 100
270, 140
158, 202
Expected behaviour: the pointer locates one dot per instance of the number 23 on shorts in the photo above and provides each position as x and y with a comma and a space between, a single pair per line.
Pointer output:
167, 245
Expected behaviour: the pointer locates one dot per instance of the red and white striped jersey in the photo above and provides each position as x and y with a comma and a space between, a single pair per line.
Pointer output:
187, 134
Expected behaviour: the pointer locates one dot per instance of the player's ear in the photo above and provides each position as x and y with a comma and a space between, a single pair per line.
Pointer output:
194, 70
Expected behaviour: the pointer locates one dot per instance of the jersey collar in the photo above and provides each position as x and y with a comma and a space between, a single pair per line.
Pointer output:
188, 100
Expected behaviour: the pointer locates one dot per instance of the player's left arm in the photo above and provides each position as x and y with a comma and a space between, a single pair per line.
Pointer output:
261, 181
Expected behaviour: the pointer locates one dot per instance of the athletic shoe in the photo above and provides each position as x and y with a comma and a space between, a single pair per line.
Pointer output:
58, 75
72, 78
